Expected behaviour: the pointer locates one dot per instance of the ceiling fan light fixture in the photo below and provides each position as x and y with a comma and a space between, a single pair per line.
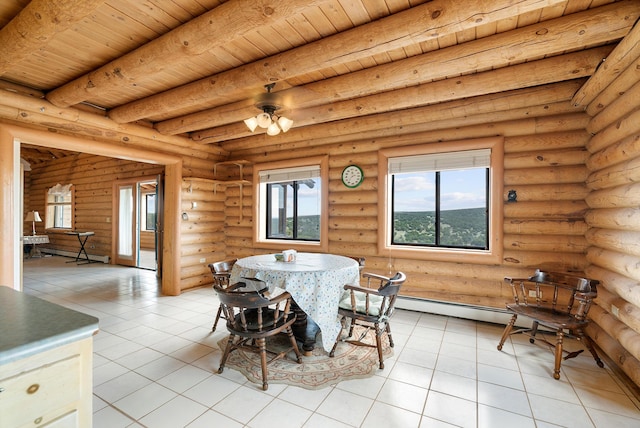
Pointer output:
263, 120
273, 129
252, 123
285, 123
273, 123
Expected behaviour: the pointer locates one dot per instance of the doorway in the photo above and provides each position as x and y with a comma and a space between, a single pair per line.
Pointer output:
138, 223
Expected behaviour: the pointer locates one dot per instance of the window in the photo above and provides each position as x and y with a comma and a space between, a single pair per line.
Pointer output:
291, 204
149, 211
442, 204
59, 207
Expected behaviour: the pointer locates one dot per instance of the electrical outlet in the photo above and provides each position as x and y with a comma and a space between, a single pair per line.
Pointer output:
615, 311
203, 260
532, 293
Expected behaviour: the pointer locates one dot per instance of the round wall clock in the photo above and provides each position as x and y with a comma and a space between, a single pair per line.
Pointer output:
352, 176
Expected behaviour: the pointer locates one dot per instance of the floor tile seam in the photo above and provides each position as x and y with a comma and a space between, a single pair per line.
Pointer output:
587, 408
419, 414
624, 393
246, 424
176, 394
133, 420
114, 405
530, 415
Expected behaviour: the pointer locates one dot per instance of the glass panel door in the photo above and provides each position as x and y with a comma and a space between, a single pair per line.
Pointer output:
126, 227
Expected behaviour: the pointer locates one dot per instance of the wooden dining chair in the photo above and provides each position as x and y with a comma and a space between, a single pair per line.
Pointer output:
251, 319
221, 272
370, 306
557, 301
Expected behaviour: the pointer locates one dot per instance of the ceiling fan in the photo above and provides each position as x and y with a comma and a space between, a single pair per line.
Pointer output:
268, 119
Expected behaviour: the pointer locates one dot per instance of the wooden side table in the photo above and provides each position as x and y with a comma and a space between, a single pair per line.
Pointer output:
34, 240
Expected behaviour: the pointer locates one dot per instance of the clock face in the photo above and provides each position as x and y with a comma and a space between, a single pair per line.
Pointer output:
352, 176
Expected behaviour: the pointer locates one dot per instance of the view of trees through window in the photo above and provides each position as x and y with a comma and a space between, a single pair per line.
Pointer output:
441, 208
294, 210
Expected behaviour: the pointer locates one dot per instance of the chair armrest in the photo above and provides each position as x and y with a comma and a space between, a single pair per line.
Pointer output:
361, 289
510, 281
375, 276
280, 297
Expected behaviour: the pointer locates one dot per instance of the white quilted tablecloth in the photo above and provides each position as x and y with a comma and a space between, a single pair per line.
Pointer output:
315, 281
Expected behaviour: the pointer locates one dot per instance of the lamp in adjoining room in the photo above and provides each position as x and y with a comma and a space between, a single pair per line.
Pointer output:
268, 119
33, 217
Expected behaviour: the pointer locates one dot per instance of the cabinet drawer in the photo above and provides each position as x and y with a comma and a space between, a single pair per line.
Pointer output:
70, 420
29, 396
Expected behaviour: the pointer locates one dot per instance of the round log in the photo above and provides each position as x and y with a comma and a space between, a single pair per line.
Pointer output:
626, 336
620, 107
629, 365
615, 197
548, 192
546, 158
617, 284
551, 261
558, 243
615, 153
614, 218
625, 241
544, 175
545, 227
618, 131
545, 210
616, 175
628, 313
544, 142
625, 80
623, 264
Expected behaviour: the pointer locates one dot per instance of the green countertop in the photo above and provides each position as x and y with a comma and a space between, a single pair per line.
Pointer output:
29, 325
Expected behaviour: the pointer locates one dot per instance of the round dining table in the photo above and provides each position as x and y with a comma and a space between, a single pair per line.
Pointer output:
315, 282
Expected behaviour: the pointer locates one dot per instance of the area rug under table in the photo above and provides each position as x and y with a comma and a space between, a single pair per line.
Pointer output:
316, 371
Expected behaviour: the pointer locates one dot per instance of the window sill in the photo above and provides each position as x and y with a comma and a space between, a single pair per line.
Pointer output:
283, 244
444, 255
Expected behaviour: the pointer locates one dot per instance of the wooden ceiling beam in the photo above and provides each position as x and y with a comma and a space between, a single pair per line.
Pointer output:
40, 113
429, 21
592, 27
535, 73
461, 112
212, 29
625, 53
37, 24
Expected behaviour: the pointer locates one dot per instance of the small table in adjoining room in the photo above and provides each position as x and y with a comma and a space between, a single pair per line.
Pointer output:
34, 240
82, 238
315, 281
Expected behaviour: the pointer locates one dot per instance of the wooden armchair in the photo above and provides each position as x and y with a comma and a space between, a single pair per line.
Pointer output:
371, 307
557, 301
251, 319
221, 272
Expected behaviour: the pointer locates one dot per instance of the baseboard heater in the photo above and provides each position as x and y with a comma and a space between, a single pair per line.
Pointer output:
103, 259
459, 310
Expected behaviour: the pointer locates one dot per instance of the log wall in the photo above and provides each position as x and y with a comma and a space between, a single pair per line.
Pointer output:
93, 178
613, 217
202, 230
545, 228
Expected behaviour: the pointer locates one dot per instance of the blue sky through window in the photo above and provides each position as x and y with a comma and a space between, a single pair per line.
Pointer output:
460, 189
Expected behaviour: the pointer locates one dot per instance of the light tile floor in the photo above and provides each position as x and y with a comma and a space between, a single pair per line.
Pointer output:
155, 363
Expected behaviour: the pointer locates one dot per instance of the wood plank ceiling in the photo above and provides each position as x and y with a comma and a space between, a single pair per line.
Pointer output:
197, 67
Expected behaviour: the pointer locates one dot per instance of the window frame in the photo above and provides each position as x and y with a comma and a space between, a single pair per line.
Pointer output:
260, 239
72, 204
495, 233
146, 212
